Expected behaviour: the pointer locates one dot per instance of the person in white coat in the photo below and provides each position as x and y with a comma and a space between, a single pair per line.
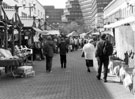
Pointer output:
88, 50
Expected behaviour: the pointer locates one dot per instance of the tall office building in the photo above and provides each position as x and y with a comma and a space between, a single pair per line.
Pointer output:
85, 6
53, 16
72, 11
93, 12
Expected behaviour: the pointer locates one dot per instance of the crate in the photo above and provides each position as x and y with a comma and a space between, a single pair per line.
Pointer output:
29, 74
24, 69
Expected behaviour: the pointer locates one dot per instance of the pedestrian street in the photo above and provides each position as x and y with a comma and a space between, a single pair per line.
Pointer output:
74, 82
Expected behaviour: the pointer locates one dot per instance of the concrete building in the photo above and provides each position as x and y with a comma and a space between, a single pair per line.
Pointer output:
93, 12
72, 11
53, 16
85, 6
27, 9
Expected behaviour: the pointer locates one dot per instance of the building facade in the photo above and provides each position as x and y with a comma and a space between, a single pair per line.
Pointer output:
119, 17
72, 11
93, 12
27, 9
53, 16
86, 12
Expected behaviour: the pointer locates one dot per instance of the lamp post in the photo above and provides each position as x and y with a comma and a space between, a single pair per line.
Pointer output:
131, 4
30, 7
45, 23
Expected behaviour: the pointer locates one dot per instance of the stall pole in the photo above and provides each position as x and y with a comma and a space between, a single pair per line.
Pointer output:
6, 37
13, 49
1, 9
19, 28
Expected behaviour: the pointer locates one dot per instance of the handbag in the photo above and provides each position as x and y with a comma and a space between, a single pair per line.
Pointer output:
82, 54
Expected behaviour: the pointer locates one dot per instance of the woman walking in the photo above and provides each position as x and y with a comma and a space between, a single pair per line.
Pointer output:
88, 50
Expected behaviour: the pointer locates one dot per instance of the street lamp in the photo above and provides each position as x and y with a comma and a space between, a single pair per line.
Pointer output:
30, 7
131, 4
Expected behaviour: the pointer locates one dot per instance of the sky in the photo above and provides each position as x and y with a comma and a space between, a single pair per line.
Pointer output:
56, 3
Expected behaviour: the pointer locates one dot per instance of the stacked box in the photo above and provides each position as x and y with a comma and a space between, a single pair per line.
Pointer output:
2, 71
26, 71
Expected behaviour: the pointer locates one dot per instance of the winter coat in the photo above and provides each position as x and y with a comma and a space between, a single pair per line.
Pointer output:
63, 48
49, 48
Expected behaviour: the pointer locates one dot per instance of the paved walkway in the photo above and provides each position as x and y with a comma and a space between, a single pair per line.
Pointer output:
74, 82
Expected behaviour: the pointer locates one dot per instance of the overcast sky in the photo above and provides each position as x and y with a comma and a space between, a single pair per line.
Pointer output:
56, 3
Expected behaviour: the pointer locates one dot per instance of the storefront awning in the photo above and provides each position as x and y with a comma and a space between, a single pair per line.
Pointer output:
121, 22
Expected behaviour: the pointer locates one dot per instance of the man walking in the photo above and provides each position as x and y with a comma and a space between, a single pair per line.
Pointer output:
49, 49
63, 46
103, 51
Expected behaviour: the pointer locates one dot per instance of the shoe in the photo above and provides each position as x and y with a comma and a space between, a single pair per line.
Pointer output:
98, 77
105, 80
88, 70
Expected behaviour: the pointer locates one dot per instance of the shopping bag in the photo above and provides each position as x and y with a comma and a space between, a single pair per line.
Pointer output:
82, 54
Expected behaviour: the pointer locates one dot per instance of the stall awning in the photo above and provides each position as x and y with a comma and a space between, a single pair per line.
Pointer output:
121, 22
53, 32
73, 34
37, 30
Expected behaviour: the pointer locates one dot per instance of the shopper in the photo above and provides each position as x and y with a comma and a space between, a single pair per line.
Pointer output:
63, 46
49, 48
103, 51
88, 50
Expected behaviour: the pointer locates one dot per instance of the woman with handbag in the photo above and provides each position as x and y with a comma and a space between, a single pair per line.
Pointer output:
88, 50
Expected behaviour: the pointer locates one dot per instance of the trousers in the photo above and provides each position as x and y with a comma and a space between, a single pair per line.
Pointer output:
63, 60
48, 63
102, 62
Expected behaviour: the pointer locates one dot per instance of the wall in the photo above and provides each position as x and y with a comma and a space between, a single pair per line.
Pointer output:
38, 11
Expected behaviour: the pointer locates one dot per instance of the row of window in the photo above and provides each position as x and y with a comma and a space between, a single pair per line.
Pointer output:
123, 13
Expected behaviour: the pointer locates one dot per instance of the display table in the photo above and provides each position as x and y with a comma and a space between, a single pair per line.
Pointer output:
11, 65
124, 72
129, 79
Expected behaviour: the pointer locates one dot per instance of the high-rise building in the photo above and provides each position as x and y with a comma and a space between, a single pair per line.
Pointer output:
53, 16
72, 11
86, 12
93, 12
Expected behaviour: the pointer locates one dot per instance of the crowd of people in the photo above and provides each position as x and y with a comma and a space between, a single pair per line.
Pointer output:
91, 48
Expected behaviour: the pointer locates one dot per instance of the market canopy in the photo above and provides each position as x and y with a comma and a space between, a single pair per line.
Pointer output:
82, 35
74, 33
95, 33
108, 32
53, 32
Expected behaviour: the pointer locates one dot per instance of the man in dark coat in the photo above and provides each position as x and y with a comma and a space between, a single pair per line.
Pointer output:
103, 58
63, 46
49, 48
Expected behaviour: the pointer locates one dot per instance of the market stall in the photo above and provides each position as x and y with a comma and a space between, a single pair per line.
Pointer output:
10, 31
